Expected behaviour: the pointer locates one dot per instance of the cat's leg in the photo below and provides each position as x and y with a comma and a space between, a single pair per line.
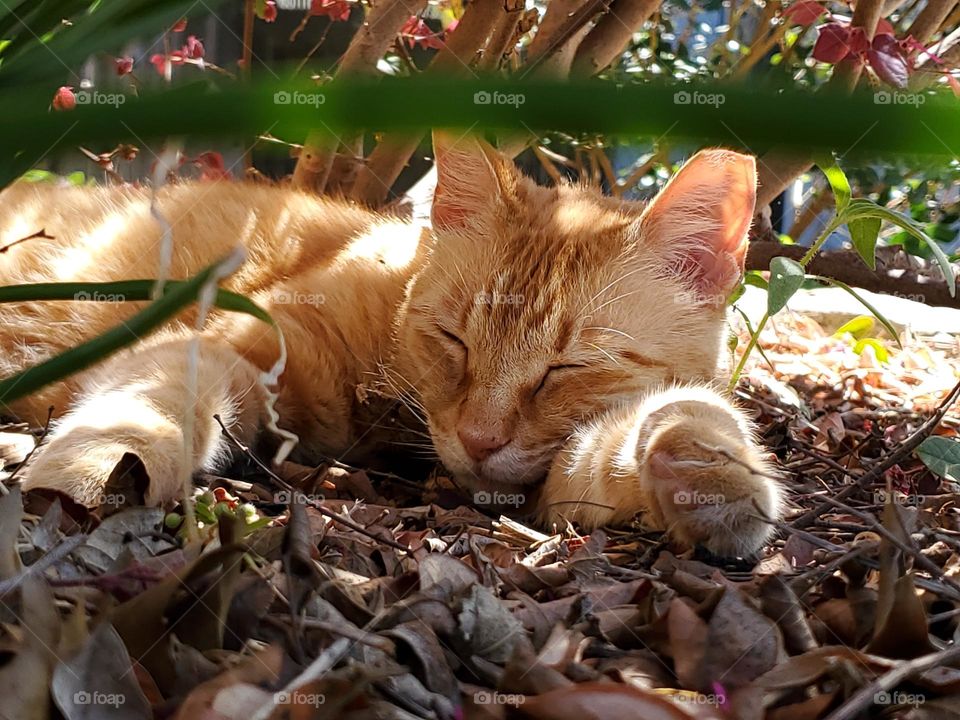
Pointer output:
135, 403
684, 458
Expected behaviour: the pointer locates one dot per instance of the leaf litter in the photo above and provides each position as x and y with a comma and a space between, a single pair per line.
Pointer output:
343, 592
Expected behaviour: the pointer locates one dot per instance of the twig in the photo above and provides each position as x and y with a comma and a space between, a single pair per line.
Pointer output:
889, 680
42, 233
312, 503
49, 559
43, 436
921, 559
877, 471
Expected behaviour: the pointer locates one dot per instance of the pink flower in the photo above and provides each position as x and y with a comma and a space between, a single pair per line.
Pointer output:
64, 99
193, 49
270, 11
416, 32
124, 65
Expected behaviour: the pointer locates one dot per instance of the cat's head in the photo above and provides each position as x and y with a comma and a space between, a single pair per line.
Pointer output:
541, 307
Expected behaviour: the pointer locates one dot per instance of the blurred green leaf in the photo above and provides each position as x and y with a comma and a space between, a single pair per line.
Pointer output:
838, 183
878, 349
888, 326
177, 295
858, 327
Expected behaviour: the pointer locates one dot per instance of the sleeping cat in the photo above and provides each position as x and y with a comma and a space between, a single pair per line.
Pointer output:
553, 342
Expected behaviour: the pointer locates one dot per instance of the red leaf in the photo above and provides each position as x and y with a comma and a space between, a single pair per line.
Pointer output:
888, 62
333, 9
64, 99
804, 13
884, 27
270, 11
159, 62
179, 26
416, 32
858, 40
124, 65
833, 43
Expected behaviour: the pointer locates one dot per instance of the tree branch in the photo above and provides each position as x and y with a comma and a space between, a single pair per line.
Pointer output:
372, 40
776, 169
846, 266
604, 43
392, 153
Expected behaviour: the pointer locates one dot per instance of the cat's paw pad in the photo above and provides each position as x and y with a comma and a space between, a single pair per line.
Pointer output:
711, 489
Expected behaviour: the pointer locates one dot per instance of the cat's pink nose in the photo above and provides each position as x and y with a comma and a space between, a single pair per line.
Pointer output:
481, 442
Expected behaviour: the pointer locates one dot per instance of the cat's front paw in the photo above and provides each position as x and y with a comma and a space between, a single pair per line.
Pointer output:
710, 488
80, 461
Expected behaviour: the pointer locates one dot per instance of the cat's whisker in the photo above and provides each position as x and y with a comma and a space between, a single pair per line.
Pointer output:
587, 309
601, 350
612, 330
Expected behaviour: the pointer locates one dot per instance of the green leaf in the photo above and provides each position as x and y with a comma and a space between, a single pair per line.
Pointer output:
838, 183
753, 277
786, 277
888, 326
859, 327
863, 208
863, 233
942, 456
124, 291
879, 350
177, 295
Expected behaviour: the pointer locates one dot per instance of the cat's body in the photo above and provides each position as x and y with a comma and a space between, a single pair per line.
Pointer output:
545, 336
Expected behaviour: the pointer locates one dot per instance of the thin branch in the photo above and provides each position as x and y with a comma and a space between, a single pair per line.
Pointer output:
42, 234
894, 458
863, 698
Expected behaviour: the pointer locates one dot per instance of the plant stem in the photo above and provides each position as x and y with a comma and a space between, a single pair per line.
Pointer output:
755, 337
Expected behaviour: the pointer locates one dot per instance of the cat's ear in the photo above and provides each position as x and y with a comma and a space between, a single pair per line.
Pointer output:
701, 219
471, 175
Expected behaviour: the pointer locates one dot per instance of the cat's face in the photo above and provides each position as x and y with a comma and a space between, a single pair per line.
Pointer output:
542, 307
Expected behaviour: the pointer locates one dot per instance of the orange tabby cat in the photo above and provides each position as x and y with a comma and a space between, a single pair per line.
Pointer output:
553, 341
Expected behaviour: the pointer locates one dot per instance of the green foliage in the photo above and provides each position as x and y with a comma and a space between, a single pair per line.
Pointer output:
786, 277
942, 456
176, 296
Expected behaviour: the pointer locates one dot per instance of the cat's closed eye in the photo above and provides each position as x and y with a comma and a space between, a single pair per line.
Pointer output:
553, 371
452, 339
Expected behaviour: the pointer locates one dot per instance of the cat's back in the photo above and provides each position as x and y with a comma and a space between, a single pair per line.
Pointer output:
104, 233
